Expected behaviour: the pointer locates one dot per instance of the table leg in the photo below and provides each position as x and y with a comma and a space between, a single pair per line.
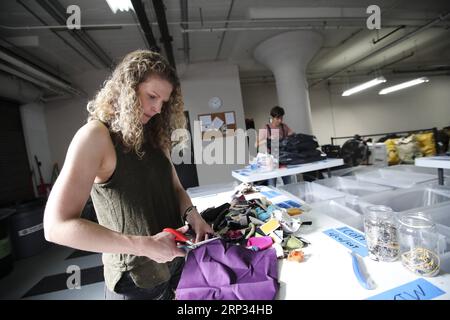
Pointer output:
329, 172
441, 176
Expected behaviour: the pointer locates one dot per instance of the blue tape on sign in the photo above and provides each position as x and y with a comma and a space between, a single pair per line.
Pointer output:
419, 289
347, 242
293, 204
283, 205
355, 235
270, 194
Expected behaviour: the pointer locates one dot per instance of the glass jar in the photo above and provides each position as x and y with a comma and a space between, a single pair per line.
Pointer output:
419, 244
381, 233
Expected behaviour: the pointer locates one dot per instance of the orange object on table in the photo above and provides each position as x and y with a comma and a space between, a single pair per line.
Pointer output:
296, 255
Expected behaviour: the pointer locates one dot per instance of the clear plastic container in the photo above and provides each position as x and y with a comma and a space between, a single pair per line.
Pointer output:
312, 192
381, 233
352, 186
419, 244
340, 212
394, 178
416, 169
408, 199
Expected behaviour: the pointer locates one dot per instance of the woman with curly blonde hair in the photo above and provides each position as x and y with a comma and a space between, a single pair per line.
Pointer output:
120, 157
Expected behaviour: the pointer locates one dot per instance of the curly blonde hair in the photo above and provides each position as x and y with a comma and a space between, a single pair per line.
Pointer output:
117, 103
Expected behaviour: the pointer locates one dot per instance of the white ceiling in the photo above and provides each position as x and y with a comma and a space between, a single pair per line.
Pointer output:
346, 38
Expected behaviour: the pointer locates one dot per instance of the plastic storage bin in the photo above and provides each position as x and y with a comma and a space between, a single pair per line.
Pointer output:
352, 186
417, 169
339, 212
211, 189
352, 171
312, 192
407, 199
395, 178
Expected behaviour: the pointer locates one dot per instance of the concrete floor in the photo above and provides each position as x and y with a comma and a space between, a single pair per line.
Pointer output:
44, 276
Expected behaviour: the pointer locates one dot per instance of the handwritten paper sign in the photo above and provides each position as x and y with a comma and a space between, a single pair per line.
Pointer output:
419, 289
353, 241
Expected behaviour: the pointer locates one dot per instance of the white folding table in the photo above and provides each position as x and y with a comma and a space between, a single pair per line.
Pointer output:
439, 162
249, 175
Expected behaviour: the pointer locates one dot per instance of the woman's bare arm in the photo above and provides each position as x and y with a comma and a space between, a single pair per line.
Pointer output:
62, 222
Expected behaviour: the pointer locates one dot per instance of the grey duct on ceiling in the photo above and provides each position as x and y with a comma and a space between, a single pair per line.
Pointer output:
26, 68
17, 90
56, 33
57, 12
428, 25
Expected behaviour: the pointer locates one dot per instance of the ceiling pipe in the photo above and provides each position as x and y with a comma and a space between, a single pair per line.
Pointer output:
210, 29
389, 34
387, 46
17, 90
46, 26
38, 73
166, 38
145, 25
185, 17
223, 33
26, 77
286, 28
57, 12
427, 69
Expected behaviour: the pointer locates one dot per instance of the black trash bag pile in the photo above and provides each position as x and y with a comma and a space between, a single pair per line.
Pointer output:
299, 149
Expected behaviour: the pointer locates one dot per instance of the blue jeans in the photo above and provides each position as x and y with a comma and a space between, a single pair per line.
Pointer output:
273, 181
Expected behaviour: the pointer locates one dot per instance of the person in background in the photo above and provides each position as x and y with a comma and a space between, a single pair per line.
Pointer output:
121, 158
276, 129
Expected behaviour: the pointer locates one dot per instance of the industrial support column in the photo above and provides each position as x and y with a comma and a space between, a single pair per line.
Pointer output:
287, 56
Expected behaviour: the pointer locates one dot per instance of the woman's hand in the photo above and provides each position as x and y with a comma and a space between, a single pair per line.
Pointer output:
201, 228
162, 247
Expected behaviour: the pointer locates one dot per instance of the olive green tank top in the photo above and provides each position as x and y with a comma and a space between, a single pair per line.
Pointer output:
138, 199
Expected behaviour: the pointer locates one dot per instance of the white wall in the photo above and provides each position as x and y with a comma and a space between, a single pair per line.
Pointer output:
420, 107
36, 139
200, 82
259, 99
65, 117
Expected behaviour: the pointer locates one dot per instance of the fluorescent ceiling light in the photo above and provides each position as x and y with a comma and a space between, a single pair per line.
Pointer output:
364, 86
121, 5
404, 85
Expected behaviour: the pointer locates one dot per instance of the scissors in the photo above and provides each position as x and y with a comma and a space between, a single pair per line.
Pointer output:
188, 244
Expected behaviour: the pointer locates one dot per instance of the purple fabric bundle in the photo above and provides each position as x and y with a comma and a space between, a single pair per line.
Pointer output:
223, 271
